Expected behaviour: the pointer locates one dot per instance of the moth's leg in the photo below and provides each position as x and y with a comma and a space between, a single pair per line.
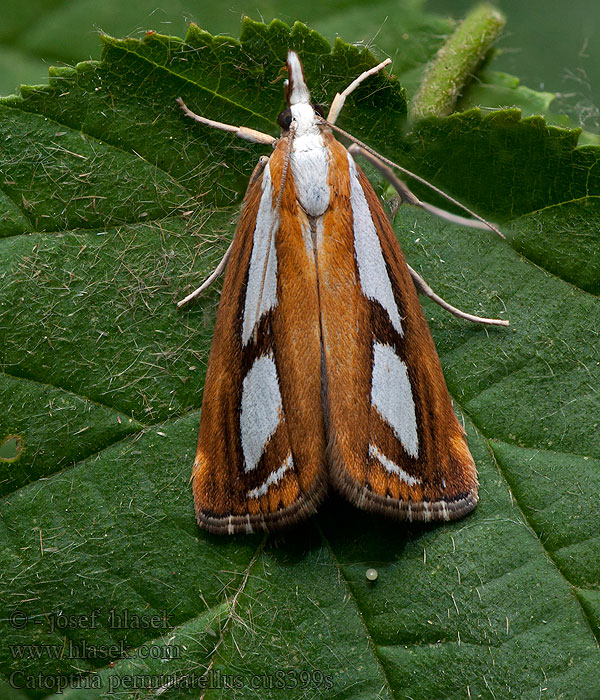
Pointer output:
424, 289
242, 131
215, 274
340, 98
218, 271
406, 196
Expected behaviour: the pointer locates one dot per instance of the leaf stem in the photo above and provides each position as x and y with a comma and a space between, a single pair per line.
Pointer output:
456, 62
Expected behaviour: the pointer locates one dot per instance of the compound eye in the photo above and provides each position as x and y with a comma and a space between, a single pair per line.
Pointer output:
320, 110
285, 119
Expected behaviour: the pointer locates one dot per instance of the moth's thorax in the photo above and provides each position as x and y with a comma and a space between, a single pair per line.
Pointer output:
305, 120
309, 161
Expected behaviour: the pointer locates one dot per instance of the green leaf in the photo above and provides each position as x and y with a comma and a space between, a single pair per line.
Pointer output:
493, 89
113, 207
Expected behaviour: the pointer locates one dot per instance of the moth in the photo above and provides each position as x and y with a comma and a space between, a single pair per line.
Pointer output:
322, 372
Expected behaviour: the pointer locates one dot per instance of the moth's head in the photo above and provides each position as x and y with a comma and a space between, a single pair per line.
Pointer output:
300, 109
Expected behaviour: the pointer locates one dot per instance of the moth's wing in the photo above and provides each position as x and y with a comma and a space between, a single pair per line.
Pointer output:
395, 445
261, 446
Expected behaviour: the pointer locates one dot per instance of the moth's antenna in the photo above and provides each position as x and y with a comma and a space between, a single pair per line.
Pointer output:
416, 177
275, 223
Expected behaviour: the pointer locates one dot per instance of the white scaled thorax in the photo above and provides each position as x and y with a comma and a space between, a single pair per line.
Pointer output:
309, 158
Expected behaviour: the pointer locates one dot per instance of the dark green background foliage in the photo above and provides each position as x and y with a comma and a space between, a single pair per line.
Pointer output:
112, 207
549, 44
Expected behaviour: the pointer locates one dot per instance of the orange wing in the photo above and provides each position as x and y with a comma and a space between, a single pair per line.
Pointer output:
395, 445
261, 447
